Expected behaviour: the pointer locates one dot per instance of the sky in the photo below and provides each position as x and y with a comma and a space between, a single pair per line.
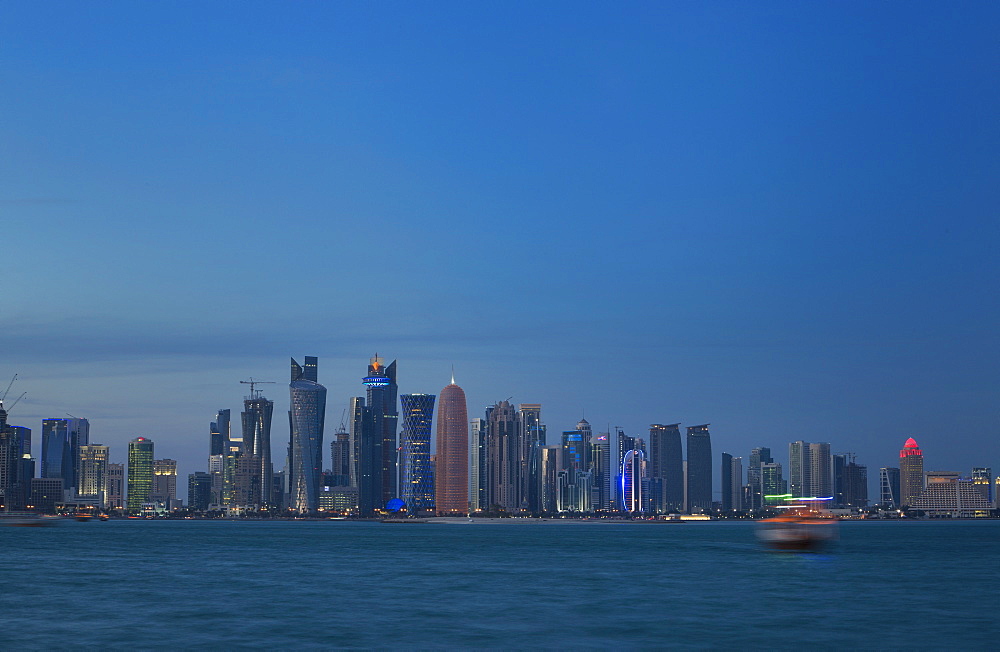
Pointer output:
777, 218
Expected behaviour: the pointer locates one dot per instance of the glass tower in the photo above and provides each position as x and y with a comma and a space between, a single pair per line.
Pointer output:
666, 462
306, 419
415, 471
699, 469
256, 417
911, 472
381, 425
140, 473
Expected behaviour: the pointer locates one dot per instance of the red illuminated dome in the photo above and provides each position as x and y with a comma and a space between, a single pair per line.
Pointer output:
911, 443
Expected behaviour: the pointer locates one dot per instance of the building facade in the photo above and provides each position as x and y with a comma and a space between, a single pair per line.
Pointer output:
699, 469
140, 473
451, 477
416, 475
666, 462
306, 417
911, 472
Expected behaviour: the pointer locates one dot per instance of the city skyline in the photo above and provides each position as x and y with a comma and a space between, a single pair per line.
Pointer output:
778, 222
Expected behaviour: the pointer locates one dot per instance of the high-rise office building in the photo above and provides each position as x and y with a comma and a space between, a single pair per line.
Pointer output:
666, 463
306, 420
416, 475
850, 482
477, 465
911, 472
199, 491
889, 487
549, 469
256, 421
699, 469
772, 483
114, 486
602, 498
576, 482
505, 448
381, 403
57, 453
758, 456
164, 489
799, 469
820, 470
140, 473
732, 483
340, 458
451, 478
92, 471
219, 433
532, 439
15, 467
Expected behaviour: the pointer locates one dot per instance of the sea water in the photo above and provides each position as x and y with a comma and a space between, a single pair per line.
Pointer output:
328, 584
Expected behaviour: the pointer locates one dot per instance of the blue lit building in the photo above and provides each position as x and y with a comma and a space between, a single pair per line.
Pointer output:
306, 419
378, 435
630, 480
416, 475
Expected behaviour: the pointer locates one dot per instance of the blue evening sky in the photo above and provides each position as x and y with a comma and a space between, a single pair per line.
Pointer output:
778, 218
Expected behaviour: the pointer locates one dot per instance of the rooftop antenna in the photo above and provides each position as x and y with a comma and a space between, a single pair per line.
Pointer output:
252, 382
452, 374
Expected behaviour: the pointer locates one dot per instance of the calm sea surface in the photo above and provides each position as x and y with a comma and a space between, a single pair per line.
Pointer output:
168, 584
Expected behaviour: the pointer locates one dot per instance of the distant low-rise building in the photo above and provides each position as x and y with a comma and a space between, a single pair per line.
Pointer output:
949, 496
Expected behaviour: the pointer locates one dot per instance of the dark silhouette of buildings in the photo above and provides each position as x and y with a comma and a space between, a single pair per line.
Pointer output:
699, 469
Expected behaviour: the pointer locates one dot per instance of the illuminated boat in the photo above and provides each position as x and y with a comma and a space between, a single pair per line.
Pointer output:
800, 528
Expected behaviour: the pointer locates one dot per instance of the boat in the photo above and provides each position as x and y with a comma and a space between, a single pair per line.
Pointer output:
26, 519
797, 532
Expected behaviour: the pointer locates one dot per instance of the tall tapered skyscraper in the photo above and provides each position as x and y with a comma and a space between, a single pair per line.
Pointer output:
306, 419
699, 469
256, 418
451, 488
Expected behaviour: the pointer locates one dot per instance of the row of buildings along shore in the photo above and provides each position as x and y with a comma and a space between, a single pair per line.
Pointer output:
502, 463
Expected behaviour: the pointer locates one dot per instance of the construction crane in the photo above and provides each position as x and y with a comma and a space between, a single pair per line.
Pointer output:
7, 391
252, 383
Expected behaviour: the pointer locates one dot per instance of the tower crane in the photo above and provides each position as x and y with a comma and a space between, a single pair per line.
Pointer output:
253, 382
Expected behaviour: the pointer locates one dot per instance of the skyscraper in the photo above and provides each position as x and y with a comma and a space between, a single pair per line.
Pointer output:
549, 465
772, 483
199, 491
140, 473
114, 486
799, 469
600, 455
15, 480
451, 481
219, 431
532, 439
758, 456
504, 471
699, 469
381, 432
732, 483
666, 463
911, 472
164, 489
820, 471
256, 421
92, 470
366, 442
477, 465
57, 453
415, 470
306, 419
340, 458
